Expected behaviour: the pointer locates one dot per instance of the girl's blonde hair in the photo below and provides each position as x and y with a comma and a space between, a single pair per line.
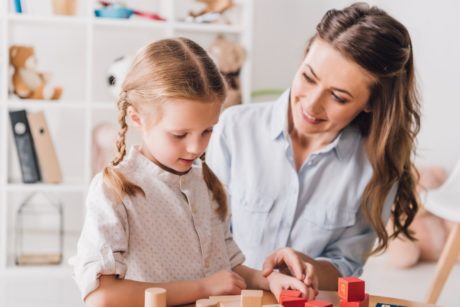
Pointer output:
176, 68
382, 45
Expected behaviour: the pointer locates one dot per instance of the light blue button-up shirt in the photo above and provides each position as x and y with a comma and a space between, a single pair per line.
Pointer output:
315, 210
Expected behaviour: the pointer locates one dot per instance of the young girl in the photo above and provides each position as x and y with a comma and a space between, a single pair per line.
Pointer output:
157, 216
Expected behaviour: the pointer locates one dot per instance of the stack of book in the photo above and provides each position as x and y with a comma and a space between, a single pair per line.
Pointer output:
37, 156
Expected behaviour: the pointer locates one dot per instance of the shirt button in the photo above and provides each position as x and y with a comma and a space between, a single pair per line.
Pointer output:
206, 264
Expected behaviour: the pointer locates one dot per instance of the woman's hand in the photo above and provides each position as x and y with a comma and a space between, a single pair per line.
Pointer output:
223, 283
288, 258
278, 282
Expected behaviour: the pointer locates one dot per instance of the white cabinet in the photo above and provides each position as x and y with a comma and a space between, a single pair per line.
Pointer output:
78, 50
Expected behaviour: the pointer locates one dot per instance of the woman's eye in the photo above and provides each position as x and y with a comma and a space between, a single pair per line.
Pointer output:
309, 80
207, 131
339, 99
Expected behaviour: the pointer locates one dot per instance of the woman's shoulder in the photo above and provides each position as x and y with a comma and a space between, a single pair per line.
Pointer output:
246, 112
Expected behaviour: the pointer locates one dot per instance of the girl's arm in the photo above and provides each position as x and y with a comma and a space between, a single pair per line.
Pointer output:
114, 292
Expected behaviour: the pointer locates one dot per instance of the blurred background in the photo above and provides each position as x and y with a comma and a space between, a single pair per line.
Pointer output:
76, 53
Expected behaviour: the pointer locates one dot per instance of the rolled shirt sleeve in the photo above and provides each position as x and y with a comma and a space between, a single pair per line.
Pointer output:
103, 241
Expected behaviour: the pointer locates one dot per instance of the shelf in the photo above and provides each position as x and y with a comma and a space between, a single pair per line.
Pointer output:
62, 187
129, 23
198, 27
54, 270
44, 104
104, 105
52, 20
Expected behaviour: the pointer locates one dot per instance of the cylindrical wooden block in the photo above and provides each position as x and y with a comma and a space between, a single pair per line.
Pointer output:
64, 7
155, 297
207, 303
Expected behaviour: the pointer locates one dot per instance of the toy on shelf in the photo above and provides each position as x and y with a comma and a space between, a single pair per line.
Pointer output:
103, 137
119, 10
27, 82
229, 57
64, 7
213, 12
430, 231
116, 74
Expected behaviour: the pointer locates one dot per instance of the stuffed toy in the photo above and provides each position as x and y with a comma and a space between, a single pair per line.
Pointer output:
104, 136
212, 12
229, 58
27, 82
116, 74
430, 230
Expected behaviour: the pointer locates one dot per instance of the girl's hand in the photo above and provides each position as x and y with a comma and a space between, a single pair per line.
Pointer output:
278, 282
223, 283
288, 258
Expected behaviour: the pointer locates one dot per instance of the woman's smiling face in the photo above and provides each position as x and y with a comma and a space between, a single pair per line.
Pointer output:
328, 92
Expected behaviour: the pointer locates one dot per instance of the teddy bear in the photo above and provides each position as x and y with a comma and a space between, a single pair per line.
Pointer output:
229, 58
26, 81
430, 230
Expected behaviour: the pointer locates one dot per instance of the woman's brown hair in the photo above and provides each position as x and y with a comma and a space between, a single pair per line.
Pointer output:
176, 68
382, 46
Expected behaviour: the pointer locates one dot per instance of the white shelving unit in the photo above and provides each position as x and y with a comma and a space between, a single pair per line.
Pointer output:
78, 51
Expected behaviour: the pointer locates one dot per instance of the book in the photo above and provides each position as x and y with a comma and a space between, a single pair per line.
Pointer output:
25, 146
46, 154
17, 6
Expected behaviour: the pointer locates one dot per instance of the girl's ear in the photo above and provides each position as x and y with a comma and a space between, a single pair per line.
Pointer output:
134, 116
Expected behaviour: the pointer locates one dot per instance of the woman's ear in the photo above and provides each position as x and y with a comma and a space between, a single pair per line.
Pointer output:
134, 117
367, 108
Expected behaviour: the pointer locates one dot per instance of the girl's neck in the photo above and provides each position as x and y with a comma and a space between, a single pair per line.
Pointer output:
149, 156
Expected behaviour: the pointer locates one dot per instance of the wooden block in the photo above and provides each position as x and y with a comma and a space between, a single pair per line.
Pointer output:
318, 304
363, 303
351, 289
155, 297
251, 298
289, 301
291, 293
225, 298
207, 303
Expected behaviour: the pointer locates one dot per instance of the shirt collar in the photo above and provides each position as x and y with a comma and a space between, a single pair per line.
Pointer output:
343, 144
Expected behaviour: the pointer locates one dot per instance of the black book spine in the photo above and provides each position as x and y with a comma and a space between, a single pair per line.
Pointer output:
25, 147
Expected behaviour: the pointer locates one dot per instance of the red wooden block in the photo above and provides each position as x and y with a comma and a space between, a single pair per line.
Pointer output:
289, 301
318, 304
363, 303
351, 289
291, 293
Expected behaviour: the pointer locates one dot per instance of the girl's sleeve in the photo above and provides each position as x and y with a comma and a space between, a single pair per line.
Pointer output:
234, 253
103, 242
349, 253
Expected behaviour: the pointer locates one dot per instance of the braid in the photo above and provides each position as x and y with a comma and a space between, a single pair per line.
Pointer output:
217, 189
121, 146
115, 182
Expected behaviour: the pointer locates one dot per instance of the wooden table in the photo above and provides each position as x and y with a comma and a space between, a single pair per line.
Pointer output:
332, 297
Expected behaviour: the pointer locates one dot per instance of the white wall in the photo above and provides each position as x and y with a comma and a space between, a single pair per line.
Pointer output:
281, 29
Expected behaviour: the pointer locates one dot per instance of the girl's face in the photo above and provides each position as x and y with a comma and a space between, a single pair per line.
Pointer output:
180, 135
327, 93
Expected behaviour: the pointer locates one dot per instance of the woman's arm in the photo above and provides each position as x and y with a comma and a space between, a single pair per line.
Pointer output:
321, 274
275, 282
114, 292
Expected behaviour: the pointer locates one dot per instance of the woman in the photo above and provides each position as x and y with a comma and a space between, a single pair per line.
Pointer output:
321, 170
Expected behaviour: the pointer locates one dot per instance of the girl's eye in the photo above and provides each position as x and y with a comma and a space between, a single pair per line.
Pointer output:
179, 136
339, 99
309, 80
